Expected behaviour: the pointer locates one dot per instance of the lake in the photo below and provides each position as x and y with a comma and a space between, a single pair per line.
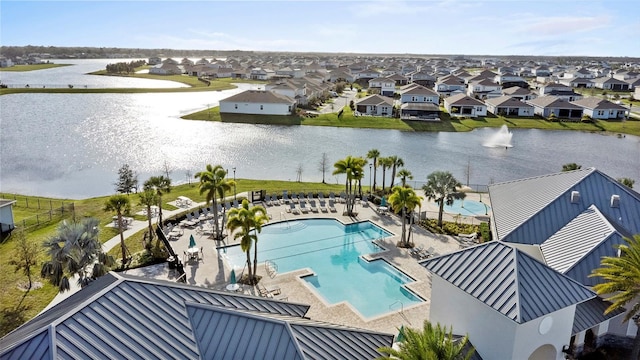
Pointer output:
72, 145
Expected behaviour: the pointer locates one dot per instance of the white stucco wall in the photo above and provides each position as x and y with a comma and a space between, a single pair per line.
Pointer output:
528, 337
490, 332
254, 108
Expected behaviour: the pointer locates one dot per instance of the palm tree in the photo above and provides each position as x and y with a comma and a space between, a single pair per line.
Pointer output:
352, 167
214, 182
622, 283
120, 204
430, 343
386, 163
374, 154
75, 250
161, 185
401, 200
396, 162
249, 223
148, 198
404, 174
442, 187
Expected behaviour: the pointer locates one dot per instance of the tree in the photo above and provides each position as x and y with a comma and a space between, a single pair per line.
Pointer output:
120, 204
396, 162
248, 222
430, 343
404, 199
621, 284
442, 187
571, 167
352, 167
374, 154
25, 256
127, 180
214, 182
75, 251
160, 185
404, 174
385, 162
628, 182
323, 165
148, 198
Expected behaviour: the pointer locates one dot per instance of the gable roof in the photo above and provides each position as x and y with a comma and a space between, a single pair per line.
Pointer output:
417, 90
591, 313
506, 100
259, 96
375, 100
128, 317
551, 101
529, 211
463, 99
594, 103
516, 90
508, 280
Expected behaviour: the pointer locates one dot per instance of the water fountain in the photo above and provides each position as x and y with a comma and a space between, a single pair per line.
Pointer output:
500, 139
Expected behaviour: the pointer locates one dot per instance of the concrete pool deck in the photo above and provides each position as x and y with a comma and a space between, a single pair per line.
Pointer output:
213, 271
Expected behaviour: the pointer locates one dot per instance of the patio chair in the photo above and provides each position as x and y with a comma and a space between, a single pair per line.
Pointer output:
343, 197
285, 198
303, 207
323, 205
227, 205
332, 206
321, 195
294, 198
312, 206
293, 209
235, 204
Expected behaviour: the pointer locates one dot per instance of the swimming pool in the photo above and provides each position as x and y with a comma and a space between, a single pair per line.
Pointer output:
467, 207
333, 252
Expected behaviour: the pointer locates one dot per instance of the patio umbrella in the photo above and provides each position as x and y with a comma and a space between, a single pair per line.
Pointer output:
383, 201
233, 276
400, 337
192, 241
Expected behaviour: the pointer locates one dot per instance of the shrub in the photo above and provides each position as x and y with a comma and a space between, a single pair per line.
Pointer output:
484, 232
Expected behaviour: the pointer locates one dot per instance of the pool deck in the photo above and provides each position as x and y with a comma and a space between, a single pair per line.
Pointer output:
212, 271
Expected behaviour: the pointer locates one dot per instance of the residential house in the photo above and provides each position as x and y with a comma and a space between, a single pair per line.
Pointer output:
519, 93
422, 78
386, 86
484, 89
341, 75
296, 91
366, 75
420, 111
166, 68
483, 75
508, 106
414, 93
636, 93
449, 85
546, 105
258, 102
610, 83
399, 79
531, 285
577, 82
5, 62
154, 60
597, 108
509, 80
376, 105
6, 216
261, 74
560, 91
462, 105
542, 71
126, 317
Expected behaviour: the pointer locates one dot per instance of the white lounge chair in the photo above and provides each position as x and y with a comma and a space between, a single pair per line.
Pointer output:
312, 206
332, 206
293, 209
303, 207
323, 205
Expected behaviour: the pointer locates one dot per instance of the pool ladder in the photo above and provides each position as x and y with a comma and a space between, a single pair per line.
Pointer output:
271, 268
401, 306
283, 216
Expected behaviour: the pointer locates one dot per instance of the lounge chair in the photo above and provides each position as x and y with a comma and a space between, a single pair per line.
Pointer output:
321, 195
303, 207
293, 209
301, 196
332, 206
343, 197
312, 206
332, 197
285, 197
227, 205
323, 205
269, 293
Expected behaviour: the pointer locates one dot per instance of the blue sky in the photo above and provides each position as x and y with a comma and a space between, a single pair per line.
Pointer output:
494, 27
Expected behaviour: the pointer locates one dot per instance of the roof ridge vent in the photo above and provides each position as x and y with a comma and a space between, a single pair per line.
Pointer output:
575, 197
615, 201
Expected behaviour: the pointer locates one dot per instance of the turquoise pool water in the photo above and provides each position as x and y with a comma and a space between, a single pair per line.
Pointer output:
333, 252
467, 207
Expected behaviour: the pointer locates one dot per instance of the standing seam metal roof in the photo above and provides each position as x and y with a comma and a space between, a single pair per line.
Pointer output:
508, 280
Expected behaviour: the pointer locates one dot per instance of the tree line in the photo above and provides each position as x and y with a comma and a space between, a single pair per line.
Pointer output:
125, 67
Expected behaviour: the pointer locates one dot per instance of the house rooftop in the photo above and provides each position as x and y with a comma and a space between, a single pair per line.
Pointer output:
259, 96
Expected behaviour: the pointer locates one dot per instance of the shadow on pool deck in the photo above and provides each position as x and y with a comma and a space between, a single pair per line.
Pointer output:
213, 272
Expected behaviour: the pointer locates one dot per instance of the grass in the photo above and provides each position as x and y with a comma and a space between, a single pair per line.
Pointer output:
17, 306
17, 68
447, 123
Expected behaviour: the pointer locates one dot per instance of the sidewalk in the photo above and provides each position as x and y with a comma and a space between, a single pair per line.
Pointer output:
115, 241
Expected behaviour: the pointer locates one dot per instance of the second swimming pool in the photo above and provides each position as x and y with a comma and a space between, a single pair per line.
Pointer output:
333, 252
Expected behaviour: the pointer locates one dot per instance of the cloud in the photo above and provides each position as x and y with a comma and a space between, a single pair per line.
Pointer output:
198, 39
564, 25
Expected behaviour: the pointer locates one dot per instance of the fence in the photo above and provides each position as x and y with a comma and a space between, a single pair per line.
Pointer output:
53, 210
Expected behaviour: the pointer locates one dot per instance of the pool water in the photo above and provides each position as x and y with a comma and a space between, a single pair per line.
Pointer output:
467, 207
333, 252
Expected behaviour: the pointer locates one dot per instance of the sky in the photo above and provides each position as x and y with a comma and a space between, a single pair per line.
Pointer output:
493, 27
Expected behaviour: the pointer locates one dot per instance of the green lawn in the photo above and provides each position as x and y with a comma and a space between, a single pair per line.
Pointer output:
17, 306
32, 67
447, 123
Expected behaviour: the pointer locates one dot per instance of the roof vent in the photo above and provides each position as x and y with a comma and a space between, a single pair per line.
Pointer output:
575, 197
615, 201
